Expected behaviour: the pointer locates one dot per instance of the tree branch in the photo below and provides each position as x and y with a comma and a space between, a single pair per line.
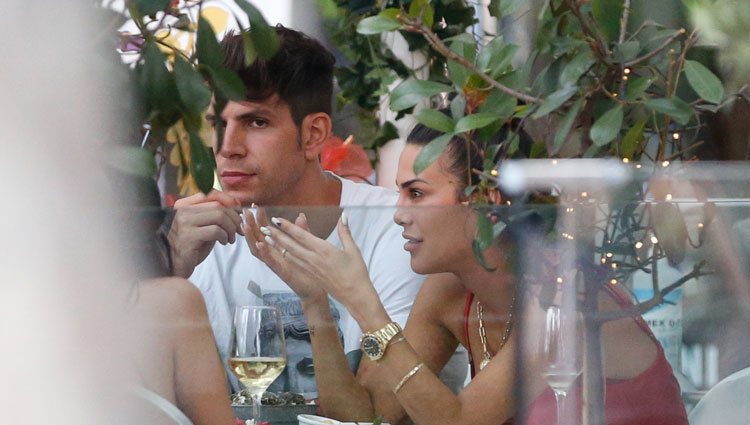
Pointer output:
656, 51
640, 308
440, 47
624, 20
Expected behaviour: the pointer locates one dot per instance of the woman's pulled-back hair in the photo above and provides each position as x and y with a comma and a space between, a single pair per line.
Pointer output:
465, 155
301, 72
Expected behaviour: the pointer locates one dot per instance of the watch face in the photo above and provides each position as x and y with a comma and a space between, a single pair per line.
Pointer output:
371, 347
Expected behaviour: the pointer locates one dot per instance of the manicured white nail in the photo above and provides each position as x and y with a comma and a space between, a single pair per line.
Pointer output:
265, 230
269, 241
253, 205
344, 220
276, 221
259, 245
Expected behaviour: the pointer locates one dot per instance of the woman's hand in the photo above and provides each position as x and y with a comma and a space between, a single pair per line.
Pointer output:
315, 264
304, 285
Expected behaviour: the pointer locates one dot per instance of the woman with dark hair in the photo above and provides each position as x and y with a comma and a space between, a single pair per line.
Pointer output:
462, 302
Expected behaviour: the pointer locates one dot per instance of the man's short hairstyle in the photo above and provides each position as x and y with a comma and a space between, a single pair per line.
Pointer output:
301, 72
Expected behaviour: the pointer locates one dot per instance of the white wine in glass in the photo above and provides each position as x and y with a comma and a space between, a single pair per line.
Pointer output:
561, 353
258, 350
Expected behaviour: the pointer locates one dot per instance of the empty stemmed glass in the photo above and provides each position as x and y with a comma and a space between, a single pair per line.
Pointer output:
258, 353
562, 360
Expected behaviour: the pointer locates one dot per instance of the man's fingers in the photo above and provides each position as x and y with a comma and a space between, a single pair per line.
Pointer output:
187, 220
219, 198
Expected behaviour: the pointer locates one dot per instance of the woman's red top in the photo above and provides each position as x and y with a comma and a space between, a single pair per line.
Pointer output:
651, 398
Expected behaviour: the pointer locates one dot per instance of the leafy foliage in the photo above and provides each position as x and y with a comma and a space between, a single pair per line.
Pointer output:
179, 86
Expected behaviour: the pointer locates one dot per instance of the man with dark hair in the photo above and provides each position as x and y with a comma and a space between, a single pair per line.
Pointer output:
270, 157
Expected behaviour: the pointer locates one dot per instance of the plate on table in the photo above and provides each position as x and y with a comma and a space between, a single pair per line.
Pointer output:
276, 415
307, 419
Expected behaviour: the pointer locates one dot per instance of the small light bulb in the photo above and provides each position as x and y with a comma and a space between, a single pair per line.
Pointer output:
637, 165
668, 197
624, 78
554, 162
604, 261
613, 281
494, 172
584, 194
654, 240
614, 265
610, 255
676, 136
626, 70
700, 225
559, 279
665, 164
625, 160
638, 245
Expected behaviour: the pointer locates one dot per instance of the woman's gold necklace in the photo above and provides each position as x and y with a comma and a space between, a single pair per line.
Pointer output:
486, 357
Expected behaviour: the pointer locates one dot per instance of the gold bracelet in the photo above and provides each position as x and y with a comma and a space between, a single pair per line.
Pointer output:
407, 377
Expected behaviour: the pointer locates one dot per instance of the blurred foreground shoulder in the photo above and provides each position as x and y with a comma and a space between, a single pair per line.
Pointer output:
178, 297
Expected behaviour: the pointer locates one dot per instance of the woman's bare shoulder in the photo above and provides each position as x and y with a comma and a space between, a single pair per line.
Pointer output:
173, 296
441, 296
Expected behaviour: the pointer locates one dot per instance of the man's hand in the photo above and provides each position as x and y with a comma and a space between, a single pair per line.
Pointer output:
200, 221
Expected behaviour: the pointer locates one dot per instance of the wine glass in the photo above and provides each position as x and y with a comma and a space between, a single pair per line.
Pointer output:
258, 353
562, 360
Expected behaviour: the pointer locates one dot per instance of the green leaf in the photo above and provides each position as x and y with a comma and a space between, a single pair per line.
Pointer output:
228, 83
431, 152
500, 8
201, 164
627, 51
265, 40
435, 119
566, 124
422, 8
411, 92
250, 52
636, 88
485, 235
473, 121
632, 138
576, 68
194, 93
328, 9
674, 107
458, 106
704, 82
554, 101
496, 57
158, 83
377, 24
208, 49
150, 7
457, 72
607, 127
538, 151
607, 15
500, 104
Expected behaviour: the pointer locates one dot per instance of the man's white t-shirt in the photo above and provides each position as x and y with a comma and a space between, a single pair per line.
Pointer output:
232, 276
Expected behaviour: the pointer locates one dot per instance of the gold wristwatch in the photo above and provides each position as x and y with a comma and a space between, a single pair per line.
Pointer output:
374, 343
